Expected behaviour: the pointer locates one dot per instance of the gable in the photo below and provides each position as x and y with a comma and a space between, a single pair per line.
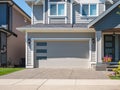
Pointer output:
111, 20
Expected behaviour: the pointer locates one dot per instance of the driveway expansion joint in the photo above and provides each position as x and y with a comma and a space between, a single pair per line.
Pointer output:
42, 84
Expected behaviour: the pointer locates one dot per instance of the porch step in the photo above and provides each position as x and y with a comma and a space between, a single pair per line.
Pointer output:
106, 67
110, 67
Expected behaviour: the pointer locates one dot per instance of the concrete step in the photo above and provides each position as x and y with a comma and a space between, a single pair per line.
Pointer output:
111, 67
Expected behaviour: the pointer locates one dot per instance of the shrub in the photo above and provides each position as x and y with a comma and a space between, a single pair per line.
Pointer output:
117, 70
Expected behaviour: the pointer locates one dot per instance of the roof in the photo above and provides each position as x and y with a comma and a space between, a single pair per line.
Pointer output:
81, 27
21, 9
39, 25
17, 7
30, 2
103, 14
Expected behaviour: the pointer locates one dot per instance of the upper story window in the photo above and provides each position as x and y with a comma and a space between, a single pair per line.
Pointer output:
89, 10
57, 9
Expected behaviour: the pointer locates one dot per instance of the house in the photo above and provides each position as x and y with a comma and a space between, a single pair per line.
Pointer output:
12, 41
72, 33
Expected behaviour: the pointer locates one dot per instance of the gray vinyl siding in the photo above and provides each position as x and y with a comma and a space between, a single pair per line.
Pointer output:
68, 11
77, 18
111, 20
101, 8
108, 6
56, 20
38, 14
29, 55
60, 35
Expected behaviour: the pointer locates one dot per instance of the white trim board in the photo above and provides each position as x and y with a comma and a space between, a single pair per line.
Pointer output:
58, 40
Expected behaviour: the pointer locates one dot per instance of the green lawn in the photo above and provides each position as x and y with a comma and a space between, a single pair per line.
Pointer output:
4, 71
115, 77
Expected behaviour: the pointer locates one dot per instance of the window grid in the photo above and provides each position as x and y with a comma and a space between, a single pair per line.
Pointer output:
41, 51
41, 57
89, 7
57, 4
41, 44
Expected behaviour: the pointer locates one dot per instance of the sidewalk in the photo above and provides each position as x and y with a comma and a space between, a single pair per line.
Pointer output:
59, 84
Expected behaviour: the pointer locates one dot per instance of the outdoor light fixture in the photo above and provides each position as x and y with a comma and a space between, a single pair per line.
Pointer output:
29, 41
114, 34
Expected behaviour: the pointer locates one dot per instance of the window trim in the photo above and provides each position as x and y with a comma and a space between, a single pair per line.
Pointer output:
81, 6
57, 3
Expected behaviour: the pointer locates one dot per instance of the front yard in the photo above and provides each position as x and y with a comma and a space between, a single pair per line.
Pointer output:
4, 71
115, 77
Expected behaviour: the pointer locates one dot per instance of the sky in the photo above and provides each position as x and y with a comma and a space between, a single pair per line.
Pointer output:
24, 6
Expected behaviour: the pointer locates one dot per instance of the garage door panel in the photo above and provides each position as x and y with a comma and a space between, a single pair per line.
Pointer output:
68, 49
62, 54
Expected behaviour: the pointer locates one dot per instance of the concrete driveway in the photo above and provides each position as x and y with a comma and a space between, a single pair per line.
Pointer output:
61, 73
58, 84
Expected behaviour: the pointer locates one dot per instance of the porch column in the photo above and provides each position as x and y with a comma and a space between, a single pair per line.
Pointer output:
116, 48
98, 46
28, 60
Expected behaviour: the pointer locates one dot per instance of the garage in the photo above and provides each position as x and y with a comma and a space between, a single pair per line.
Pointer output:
62, 53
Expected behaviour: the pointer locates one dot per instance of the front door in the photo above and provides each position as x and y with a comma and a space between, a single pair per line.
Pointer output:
109, 46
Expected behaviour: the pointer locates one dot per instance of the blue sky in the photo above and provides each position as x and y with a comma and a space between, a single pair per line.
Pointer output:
23, 5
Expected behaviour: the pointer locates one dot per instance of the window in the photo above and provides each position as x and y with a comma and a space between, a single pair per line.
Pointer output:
85, 9
41, 43
41, 57
61, 9
53, 10
89, 9
41, 51
57, 9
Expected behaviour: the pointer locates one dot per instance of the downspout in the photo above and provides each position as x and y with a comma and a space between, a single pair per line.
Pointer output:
10, 18
73, 4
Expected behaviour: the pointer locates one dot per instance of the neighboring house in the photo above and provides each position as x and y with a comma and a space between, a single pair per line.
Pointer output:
72, 33
12, 41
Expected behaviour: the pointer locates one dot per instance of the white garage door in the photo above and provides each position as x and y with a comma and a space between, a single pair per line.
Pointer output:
61, 54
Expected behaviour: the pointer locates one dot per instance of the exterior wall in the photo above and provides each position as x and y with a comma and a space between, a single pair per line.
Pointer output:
77, 18
38, 14
60, 35
109, 21
16, 46
108, 5
58, 19
101, 8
